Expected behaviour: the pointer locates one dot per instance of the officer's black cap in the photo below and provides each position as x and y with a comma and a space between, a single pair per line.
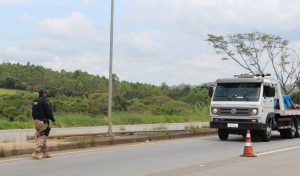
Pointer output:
43, 90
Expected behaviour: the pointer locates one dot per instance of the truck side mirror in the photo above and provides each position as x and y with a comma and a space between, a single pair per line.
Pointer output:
210, 91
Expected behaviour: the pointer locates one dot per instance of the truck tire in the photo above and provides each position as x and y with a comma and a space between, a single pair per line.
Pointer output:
223, 134
291, 133
266, 134
297, 134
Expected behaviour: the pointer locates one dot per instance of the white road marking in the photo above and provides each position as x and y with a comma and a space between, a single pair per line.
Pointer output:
11, 160
276, 151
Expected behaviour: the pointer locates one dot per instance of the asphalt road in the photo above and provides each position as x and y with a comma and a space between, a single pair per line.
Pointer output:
188, 157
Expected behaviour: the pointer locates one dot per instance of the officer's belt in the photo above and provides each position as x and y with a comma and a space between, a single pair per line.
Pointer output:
44, 120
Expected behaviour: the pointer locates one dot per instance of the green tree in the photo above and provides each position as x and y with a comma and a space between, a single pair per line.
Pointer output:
256, 51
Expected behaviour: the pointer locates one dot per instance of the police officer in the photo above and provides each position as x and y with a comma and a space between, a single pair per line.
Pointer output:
41, 113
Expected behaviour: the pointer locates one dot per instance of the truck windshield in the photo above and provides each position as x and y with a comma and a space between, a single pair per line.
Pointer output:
237, 92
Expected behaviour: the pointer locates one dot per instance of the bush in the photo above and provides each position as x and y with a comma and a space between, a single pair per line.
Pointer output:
97, 103
163, 105
138, 107
10, 113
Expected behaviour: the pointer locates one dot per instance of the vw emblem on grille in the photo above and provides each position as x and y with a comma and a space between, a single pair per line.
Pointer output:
233, 111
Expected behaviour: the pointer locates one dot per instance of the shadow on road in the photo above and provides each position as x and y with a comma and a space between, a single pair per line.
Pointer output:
240, 138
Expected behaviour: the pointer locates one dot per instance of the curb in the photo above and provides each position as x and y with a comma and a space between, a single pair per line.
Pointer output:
116, 140
19, 135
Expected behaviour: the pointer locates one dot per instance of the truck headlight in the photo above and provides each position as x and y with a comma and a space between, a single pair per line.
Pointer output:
254, 111
214, 110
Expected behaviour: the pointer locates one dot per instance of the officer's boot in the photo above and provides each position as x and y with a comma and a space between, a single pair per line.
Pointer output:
46, 155
37, 155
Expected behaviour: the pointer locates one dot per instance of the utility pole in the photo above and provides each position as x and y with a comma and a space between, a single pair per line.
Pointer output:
110, 70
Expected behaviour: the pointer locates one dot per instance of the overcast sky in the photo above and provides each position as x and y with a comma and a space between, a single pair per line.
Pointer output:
155, 40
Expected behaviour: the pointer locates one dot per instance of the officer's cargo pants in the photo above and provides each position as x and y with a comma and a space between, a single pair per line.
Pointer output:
40, 137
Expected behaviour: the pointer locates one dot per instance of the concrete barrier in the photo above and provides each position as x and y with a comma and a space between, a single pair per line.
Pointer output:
20, 135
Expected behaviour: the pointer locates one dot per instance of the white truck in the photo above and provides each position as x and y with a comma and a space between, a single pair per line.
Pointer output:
251, 102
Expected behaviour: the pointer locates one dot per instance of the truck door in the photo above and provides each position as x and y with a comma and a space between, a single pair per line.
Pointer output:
268, 99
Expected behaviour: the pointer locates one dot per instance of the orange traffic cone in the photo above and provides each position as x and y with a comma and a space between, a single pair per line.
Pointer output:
248, 150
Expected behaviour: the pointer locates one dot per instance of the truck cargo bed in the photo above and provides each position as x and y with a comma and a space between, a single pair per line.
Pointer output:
289, 112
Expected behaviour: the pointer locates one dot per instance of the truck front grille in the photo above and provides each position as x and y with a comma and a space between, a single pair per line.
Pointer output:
235, 111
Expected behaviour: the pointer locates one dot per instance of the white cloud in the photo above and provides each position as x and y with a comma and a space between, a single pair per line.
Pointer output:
26, 19
178, 51
91, 62
86, 1
12, 2
14, 53
218, 16
55, 63
69, 43
140, 43
76, 28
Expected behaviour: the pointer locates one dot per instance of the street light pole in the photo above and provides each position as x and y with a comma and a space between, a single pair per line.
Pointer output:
110, 70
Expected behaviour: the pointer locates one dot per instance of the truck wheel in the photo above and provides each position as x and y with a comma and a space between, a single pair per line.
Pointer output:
223, 134
266, 134
297, 134
291, 133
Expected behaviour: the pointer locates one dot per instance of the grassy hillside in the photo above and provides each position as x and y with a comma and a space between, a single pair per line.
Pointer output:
80, 99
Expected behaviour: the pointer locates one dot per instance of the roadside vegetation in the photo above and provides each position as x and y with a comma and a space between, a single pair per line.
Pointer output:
8, 91
119, 118
80, 99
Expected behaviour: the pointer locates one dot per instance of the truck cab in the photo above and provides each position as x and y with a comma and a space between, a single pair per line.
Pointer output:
250, 102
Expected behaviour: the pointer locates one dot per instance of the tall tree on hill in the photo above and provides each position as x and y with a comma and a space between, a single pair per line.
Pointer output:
256, 52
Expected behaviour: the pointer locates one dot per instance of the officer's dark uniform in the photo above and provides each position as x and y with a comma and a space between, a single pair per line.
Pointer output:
41, 113
41, 110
